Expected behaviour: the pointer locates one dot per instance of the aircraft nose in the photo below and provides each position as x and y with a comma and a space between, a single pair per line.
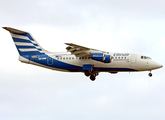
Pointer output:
155, 65
159, 66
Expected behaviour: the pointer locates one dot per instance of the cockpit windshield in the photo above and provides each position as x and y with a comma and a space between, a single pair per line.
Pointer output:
145, 57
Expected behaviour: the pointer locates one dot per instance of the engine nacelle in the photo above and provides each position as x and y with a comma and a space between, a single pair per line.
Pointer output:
101, 57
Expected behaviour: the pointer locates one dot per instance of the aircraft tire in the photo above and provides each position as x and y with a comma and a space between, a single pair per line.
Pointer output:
92, 77
87, 73
150, 74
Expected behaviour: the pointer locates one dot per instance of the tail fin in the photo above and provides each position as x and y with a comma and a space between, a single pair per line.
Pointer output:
25, 43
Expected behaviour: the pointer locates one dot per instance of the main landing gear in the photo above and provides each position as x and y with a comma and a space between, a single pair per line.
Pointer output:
150, 74
92, 74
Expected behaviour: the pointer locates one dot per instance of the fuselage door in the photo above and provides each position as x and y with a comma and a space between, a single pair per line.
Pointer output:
133, 58
49, 60
147, 62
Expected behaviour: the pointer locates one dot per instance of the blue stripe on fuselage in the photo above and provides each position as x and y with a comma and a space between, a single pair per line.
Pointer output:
43, 59
115, 69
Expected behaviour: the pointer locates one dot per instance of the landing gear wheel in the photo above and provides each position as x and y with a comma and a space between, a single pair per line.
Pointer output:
150, 74
87, 73
92, 77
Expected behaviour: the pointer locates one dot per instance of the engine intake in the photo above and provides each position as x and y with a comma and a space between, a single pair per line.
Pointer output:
101, 57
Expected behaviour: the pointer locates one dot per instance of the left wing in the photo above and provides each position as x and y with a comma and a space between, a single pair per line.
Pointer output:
80, 51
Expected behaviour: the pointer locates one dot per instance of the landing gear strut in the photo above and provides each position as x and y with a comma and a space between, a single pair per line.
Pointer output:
150, 74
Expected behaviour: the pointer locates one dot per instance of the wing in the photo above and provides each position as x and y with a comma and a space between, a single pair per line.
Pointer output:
80, 51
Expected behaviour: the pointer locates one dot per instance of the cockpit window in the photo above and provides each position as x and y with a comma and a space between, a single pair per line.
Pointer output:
145, 57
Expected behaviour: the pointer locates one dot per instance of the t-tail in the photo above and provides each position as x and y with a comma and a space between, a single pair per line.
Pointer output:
26, 45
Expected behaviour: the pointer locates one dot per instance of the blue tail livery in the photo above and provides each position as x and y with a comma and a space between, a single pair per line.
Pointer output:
89, 61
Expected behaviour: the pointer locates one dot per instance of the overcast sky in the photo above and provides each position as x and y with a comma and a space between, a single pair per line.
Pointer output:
29, 92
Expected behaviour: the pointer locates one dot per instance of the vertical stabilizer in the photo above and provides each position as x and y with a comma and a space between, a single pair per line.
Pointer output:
25, 43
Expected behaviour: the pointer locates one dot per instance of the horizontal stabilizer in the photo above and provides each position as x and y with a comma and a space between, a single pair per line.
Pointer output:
15, 31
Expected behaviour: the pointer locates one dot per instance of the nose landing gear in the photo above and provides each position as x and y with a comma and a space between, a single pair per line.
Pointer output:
150, 74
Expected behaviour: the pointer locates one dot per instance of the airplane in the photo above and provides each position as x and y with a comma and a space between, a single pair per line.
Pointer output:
78, 58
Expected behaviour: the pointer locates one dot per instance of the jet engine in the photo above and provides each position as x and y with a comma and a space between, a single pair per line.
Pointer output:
101, 57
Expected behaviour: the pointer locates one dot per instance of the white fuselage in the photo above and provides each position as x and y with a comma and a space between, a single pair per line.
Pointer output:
121, 62
79, 58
